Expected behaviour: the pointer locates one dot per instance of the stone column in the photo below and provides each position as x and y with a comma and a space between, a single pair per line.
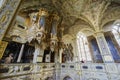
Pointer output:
56, 58
21, 53
103, 46
60, 55
75, 50
37, 51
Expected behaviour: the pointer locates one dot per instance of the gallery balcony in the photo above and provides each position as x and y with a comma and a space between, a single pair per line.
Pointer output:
26, 71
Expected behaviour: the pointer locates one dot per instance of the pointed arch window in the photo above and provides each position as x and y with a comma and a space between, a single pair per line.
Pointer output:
83, 48
116, 32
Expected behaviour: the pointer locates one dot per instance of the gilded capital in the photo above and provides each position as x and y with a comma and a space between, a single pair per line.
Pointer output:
43, 12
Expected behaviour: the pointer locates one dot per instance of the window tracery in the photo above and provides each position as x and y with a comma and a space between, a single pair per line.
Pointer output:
83, 48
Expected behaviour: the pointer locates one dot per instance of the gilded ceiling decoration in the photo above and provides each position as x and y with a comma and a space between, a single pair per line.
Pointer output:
75, 15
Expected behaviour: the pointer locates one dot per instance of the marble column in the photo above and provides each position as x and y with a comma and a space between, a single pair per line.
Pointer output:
103, 46
21, 53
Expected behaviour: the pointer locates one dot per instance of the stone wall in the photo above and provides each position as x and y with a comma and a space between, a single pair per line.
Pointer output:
90, 71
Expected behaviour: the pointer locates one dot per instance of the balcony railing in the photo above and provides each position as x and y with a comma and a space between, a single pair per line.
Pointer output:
13, 70
42, 71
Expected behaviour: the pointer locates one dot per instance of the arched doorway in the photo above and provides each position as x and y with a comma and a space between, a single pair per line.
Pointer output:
49, 78
67, 78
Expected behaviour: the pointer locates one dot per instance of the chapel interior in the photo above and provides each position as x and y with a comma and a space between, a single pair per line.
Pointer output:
59, 39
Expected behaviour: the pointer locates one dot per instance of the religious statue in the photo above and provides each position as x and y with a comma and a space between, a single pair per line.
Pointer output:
67, 53
9, 58
71, 52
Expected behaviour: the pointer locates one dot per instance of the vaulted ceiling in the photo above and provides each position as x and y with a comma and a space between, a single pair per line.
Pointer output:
88, 16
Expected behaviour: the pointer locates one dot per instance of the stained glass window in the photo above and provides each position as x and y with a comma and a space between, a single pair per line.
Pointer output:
83, 48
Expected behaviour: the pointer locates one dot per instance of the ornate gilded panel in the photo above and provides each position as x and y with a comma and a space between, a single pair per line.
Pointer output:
3, 46
7, 12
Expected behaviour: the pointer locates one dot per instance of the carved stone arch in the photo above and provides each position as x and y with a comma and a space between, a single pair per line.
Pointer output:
49, 78
111, 14
108, 25
87, 31
75, 23
110, 20
87, 20
78, 26
67, 77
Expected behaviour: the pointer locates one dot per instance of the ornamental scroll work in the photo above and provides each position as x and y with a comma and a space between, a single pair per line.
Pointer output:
39, 26
7, 11
37, 29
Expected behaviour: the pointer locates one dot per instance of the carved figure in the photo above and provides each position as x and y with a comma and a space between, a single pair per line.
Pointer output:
9, 58
67, 52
